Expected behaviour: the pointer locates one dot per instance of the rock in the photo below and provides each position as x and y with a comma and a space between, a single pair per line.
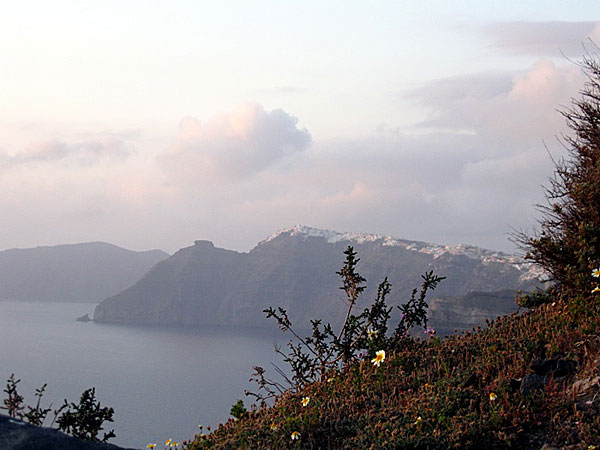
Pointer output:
84, 318
18, 435
532, 382
546, 371
515, 384
556, 367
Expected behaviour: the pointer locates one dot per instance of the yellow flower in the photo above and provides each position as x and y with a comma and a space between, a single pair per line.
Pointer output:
379, 357
295, 435
305, 401
418, 421
596, 289
596, 273
492, 396
150, 445
330, 379
168, 442
591, 447
274, 427
174, 444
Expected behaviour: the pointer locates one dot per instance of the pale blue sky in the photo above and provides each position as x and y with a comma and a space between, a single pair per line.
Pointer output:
92, 143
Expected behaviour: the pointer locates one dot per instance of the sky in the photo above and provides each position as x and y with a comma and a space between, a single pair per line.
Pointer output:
150, 124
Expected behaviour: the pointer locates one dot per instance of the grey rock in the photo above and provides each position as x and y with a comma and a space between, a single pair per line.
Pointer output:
18, 435
556, 367
546, 371
532, 382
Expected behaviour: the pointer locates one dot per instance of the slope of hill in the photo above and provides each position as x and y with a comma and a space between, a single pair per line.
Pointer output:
528, 381
87, 272
18, 435
295, 269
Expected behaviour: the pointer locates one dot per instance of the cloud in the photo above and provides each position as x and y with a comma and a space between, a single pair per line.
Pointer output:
471, 171
543, 39
462, 87
522, 105
237, 145
468, 172
282, 90
81, 152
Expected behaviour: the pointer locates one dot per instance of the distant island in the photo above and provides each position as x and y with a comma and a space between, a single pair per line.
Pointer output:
296, 269
86, 273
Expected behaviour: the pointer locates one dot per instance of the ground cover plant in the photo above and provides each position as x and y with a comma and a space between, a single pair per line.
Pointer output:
466, 391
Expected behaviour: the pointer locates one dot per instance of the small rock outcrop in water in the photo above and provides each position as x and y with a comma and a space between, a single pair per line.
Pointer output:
84, 318
18, 435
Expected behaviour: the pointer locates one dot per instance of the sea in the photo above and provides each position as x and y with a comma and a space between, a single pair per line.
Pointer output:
162, 381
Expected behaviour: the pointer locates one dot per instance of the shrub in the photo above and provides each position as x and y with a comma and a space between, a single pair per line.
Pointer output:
84, 420
318, 356
536, 298
568, 244
13, 403
14, 406
238, 410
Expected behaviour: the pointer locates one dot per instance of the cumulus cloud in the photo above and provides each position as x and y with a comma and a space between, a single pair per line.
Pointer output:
233, 146
522, 105
472, 172
543, 39
468, 172
82, 152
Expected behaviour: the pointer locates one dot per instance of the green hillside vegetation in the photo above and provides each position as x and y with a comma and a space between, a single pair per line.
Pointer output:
525, 381
438, 393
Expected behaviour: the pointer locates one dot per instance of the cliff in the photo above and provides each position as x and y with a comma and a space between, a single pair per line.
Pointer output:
295, 269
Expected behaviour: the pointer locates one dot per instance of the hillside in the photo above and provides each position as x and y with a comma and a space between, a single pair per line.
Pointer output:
18, 435
87, 272
295, 269
528, 380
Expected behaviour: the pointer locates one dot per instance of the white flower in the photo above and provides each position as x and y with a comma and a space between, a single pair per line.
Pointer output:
379, 357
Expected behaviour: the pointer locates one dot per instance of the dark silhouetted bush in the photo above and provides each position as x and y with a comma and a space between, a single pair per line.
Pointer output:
85, 419
568, 243
325, 353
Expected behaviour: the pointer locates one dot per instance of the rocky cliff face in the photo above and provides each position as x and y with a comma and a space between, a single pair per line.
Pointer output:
87, 272
296, 269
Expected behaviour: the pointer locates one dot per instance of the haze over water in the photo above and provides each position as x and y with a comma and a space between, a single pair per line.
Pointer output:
162, 381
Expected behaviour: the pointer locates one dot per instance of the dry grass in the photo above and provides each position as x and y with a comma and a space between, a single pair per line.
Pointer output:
447, 384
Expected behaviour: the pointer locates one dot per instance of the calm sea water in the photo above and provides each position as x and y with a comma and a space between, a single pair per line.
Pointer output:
162, 382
